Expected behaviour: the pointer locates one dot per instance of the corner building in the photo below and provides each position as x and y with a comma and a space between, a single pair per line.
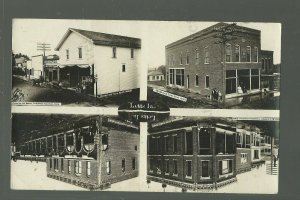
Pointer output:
199, 62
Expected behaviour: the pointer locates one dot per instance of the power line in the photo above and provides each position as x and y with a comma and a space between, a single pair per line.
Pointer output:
43, 47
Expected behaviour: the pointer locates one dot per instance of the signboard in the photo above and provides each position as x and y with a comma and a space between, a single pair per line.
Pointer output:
174, 96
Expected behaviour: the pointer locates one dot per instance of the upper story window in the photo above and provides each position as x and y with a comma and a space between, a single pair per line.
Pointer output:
206, 55
67, 54
181, 61
166, 143
114, 52
131, 53
248, 54
237, 51
228, 52
174, 143
263, 63
108, 167
255, 54
187, 58
80, 52
123, 68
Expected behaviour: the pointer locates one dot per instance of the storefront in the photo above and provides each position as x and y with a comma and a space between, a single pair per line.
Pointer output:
242, 81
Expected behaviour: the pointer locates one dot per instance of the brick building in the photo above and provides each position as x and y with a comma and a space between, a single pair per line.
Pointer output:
194, 157
202, 61
93, 153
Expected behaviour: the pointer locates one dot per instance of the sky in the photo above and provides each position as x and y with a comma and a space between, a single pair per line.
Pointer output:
155, 35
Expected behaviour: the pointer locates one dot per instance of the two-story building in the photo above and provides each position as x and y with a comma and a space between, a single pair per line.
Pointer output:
104, 63
224, 57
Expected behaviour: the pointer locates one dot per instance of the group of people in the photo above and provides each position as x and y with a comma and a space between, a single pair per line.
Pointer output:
216, 94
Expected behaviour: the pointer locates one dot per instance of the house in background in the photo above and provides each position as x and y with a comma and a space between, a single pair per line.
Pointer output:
155, 75
200, 63
35, 67
21, 62
104, 63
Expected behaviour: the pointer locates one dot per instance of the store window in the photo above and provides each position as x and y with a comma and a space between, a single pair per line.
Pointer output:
189, 169
225, 167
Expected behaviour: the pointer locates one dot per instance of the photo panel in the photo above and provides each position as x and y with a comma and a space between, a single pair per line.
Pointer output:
215, 155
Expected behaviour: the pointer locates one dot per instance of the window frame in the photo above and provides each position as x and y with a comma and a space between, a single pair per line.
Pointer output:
80, 55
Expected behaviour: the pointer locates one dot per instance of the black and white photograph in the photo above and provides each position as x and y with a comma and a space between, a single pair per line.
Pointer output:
73, 152
75, 62
193, 107
230, 65
218, 155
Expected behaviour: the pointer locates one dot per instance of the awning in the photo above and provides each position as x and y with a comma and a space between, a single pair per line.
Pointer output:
73, 65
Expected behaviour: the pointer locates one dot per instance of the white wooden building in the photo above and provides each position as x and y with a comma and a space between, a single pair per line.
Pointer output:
155, 75
104, 62
35, 67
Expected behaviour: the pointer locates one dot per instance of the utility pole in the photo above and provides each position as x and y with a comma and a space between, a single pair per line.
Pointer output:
43, 47
224, 34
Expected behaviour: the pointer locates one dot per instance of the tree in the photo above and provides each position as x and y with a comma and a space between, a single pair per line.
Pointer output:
224, 34
162, 68
13, 60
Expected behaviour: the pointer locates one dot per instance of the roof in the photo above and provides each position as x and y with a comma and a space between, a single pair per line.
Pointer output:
103, 39
155, 72
210, 29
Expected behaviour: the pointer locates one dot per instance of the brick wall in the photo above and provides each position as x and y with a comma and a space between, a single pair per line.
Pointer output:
215, 68
122, 145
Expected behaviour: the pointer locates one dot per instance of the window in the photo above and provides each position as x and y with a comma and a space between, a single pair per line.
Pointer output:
166, 139
123, 68
263, 63
69, 166
131, 53
187, 58
167, 167
256, 154
225, 167
204, 141
237, 53
123, 165
158, 166
78, 167
228, 52
62, 165
204, 168
179, 77
151, 164
79, 52
189, 169
206, 55
181, 62
114, 52
206, 81
197, 80
172, 76
133, 163
244, 158
248, 54
88, 168
197, 55
108, 167
174, 143
50, 161
135, 147
173, 60
255, 54
67, 54
175, 172
189, 143
247, 140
